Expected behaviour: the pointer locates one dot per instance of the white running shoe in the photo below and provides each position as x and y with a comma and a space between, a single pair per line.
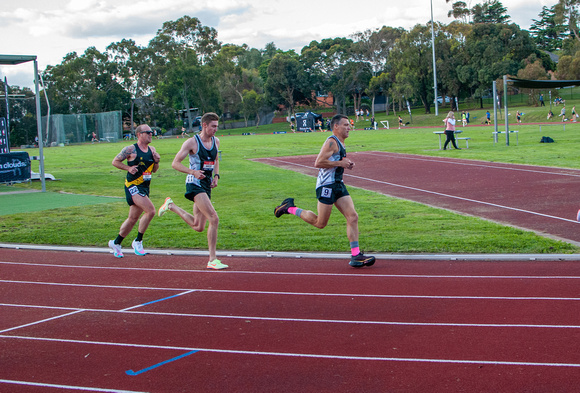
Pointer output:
117, 250
216, 264
165, 206
138, 247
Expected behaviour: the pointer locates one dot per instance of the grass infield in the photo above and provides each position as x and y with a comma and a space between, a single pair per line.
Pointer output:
248, 192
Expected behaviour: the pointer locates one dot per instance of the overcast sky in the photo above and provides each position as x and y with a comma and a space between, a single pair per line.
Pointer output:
50, 29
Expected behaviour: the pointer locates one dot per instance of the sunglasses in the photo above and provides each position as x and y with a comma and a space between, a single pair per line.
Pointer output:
147, 132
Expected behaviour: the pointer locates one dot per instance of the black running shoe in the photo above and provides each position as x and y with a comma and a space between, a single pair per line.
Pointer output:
283, 208
360, 260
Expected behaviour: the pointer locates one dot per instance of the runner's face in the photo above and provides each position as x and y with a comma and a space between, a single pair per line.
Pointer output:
146, 135
211, 127
343, 128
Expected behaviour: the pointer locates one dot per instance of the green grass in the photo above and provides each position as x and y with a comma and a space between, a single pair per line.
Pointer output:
249, 191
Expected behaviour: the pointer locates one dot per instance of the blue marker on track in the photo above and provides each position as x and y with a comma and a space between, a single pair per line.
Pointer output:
131, 372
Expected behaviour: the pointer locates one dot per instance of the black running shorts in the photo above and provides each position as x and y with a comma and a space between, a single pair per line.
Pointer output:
331, 193
191, 190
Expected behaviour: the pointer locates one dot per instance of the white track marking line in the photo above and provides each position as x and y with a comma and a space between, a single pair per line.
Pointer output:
492, 166
442, 194
299, 355
42, 321
349, 275
68, 387
308, 320
363, 295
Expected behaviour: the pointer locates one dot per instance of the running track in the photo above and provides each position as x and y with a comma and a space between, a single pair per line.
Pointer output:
160, 323
541, 199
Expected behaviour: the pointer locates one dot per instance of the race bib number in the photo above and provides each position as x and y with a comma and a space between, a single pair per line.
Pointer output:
208, 165
326, 192
133, 190
147, 176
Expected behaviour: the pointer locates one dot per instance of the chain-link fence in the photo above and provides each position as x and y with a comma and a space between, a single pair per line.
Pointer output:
85, 127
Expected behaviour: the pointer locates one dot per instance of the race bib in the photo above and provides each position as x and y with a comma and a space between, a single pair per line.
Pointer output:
326, 192
133, 190
147, 176
208, 165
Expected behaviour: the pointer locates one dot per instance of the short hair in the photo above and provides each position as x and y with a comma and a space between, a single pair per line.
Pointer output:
336, 119
209, 116
140, 127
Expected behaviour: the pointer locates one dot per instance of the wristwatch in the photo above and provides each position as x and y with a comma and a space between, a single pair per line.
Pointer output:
217, 175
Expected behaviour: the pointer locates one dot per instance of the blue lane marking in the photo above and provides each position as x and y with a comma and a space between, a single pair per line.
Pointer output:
131, 372
160, 300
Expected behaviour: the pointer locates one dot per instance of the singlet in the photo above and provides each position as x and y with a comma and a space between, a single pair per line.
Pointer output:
144, 162
204, 160
328, 176
450, 125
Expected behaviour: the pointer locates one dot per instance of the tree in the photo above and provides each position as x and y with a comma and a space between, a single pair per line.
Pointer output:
373, 47
566, 12
379, 84
412, 65
459, 10
286, 79
135, 69
491, 11
493, 50
85, 84
547, 33
323, 62
183, 48
569, 67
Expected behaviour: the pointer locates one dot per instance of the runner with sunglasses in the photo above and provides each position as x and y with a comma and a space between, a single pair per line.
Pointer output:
142, 162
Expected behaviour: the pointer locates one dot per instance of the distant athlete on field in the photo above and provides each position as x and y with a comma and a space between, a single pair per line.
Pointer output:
330, 190
142, 161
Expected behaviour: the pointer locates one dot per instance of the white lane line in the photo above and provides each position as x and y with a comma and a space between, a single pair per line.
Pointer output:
308, 320
68, 387
359, 295
41, 321
443, 195
299, 355
349, 275
490, 165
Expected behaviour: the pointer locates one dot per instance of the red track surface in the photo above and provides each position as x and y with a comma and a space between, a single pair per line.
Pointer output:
537, 198
293, 325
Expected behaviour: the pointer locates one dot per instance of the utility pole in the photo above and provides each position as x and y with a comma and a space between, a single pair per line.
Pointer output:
434, 66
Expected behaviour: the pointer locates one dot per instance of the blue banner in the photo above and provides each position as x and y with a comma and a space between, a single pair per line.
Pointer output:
14, 167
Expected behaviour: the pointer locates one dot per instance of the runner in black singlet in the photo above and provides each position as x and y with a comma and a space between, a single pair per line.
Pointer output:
142, 162
330, 190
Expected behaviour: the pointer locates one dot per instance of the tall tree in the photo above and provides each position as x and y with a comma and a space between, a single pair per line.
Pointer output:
460, 11
412, 65
286, 80
491, 11
183, 47
135, 69
547, 33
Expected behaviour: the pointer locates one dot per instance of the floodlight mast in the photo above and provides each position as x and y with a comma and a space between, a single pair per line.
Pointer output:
434, 66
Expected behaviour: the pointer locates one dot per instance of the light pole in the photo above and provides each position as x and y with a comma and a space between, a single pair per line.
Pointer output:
434, 67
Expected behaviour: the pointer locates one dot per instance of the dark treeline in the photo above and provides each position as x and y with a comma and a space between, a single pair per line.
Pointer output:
185, 66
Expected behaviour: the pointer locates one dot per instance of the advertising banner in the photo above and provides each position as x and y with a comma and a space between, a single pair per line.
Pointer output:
14, 167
